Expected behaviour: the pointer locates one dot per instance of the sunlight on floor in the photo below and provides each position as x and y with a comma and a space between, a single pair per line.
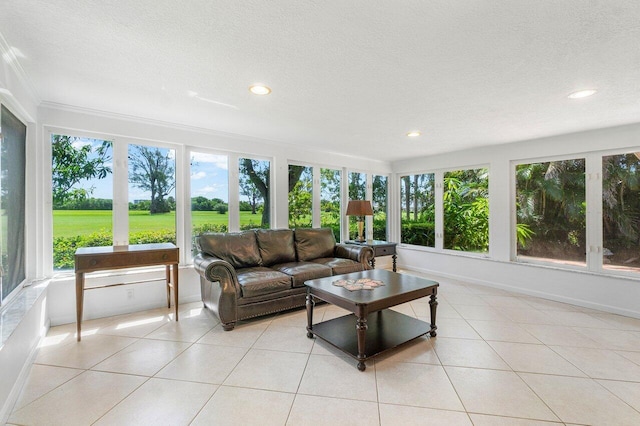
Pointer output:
139, 322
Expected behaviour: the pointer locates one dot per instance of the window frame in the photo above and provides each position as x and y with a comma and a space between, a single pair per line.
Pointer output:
439, 210
440, 200
595, 227
17, 287
437, 194
188, 222
513, 212
387, 202
120, 211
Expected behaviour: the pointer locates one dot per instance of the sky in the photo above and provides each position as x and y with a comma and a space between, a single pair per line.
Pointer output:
209, 176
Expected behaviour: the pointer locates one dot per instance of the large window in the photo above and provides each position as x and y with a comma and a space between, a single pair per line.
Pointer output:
300, 196
12, 201
621, 212
330, 195
551, 211
152, 201
465, 207
83, 179
255, 193
417, 194
82, 196
379, 204
209, 193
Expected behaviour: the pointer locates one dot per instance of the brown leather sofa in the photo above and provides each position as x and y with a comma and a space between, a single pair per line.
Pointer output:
258, 272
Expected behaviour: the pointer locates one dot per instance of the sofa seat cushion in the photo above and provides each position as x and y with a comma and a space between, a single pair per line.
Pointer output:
340, 266
276, 246
303, 271
259, 280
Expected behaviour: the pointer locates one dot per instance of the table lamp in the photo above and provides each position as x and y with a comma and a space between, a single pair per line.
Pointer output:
360, 209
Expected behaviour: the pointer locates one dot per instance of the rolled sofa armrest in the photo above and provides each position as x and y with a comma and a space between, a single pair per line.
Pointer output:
362, 254
214, 269
219, 287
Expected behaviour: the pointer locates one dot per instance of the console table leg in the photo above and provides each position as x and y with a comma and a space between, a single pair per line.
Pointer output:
79, 303
361, 328
310, 305
175, 287
394, 257
168, 280
433, 305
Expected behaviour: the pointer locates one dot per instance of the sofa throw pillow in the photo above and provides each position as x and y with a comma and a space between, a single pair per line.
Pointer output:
314, 243
276, 246
240, 249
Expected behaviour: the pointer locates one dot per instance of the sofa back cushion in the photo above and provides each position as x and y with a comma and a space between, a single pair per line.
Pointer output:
240, 249
276, 246
314, 243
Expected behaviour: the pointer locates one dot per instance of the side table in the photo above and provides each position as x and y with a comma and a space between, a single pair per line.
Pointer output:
93, 259
380, 248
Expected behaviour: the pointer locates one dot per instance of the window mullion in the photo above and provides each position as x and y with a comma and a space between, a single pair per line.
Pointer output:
234, 192
439, 210
593, 197
315, 203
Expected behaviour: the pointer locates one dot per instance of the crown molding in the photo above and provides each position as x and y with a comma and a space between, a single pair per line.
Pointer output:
186, 127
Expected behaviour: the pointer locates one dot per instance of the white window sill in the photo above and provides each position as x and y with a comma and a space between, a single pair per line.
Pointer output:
17, 308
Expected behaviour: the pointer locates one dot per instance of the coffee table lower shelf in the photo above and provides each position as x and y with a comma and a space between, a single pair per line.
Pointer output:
387, 329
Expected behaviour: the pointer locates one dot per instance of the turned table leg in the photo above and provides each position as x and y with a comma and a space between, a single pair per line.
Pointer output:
433, 305
361, 329
310, 304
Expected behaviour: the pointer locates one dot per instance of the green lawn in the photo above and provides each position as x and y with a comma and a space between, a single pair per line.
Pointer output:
68, 223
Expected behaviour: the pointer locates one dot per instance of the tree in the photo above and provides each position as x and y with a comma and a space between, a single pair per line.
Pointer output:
466, 210
72, 165
300, 199
258, 173
407, 196
550, 201
249, 190
151, 170
357, 186
201, 203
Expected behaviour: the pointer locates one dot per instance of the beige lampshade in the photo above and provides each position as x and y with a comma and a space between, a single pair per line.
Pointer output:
359, 208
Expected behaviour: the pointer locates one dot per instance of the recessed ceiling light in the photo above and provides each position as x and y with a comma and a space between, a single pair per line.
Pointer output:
259, 89
582, 94
414, 134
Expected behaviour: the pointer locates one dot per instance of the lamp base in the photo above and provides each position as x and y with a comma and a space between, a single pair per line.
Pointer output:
360, 229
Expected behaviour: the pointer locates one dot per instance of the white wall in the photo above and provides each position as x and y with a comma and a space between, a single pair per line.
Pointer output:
584, 288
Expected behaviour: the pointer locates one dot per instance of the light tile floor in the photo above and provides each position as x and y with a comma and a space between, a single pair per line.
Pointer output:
499, 359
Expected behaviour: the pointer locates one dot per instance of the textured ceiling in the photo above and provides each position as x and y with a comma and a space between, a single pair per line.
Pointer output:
347, 76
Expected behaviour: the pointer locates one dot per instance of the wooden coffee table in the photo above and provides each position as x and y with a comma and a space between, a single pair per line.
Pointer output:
377, 328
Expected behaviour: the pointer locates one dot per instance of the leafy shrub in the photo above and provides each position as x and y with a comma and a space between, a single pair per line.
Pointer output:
418, 233
252, 225
149, 237
64, 248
